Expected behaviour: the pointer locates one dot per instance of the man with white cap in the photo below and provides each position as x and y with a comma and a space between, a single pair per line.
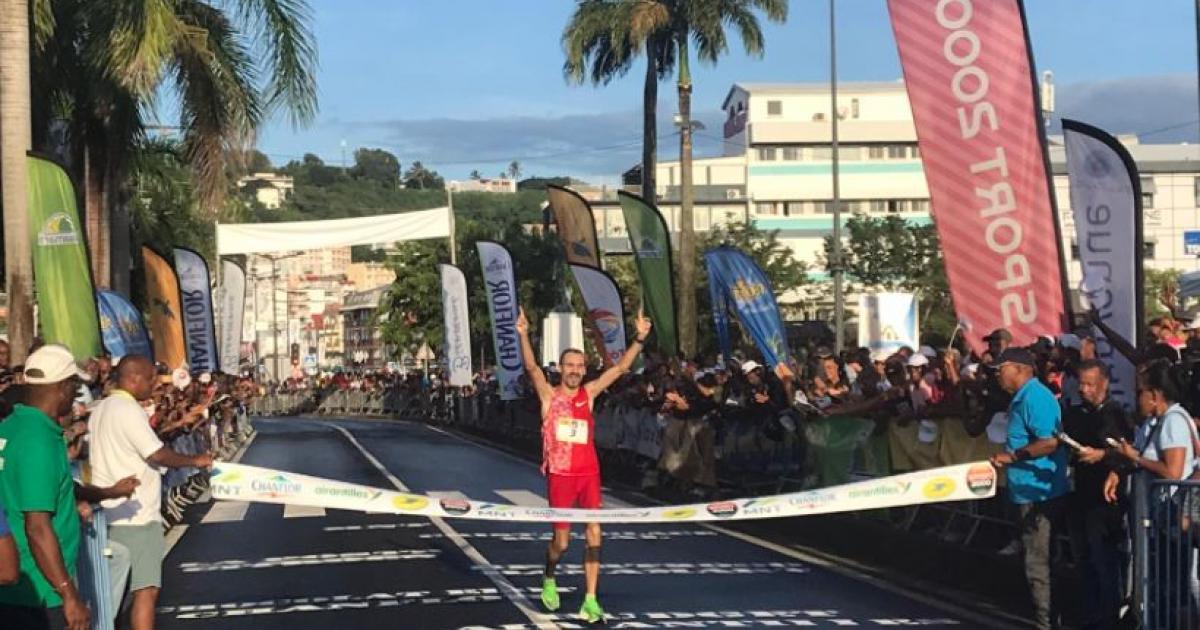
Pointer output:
123, 444
38, 494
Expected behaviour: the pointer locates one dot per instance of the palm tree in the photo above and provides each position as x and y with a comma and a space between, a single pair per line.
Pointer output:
606, 35
99, 67
14, 142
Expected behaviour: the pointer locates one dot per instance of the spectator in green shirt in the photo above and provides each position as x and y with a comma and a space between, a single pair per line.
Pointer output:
38, 495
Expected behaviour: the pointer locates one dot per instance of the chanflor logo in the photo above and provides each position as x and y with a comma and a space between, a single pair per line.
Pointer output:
58, 229
275, 486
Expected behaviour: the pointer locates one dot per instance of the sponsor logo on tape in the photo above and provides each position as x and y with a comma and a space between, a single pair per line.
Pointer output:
277, 485
678, 514
767, 506
981, 479
812, 499
938, 488
886, 488
457, 507
348, 492
410, 502
723, 509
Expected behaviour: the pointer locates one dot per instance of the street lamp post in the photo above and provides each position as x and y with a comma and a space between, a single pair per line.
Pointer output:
839, 312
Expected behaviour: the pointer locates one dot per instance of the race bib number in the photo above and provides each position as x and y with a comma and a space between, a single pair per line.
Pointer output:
571, 430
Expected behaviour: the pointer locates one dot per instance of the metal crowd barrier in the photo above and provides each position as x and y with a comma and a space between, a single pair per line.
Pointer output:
1166, 534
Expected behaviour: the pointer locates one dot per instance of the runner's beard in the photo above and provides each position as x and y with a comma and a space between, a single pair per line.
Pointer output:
572, 381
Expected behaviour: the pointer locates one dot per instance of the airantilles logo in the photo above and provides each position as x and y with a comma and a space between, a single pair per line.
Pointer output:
885, 489
350, 492
58, 229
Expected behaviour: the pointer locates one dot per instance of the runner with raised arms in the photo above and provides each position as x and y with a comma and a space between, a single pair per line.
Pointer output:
569, 453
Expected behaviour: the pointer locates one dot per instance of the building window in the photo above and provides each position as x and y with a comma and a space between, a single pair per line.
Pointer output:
893, 205
822, 153
824, 207
1147, 200
1197, 187
791, 154
765, 208
774, 108
914, 152
897, 152
875, 153
878, 206
766, 154
1074, 251
854, 108
920, 205
1148, 250
794, 208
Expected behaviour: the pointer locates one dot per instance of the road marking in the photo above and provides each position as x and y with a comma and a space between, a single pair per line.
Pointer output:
374, 526
302, 511
667, 568
841, 566
311, 559
523, 498
510, 591
346, 601
226, 512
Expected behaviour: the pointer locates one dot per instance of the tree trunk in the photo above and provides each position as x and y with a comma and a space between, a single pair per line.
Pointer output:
95, 213
120, 251
686, 305
15, 141
650, 123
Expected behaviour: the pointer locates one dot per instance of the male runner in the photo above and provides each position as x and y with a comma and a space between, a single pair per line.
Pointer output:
569, 454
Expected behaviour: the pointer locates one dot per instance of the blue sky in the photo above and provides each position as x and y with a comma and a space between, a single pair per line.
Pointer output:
466, 84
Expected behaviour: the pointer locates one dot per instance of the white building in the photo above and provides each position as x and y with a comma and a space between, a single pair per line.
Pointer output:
271, 189
776, 172
498, 185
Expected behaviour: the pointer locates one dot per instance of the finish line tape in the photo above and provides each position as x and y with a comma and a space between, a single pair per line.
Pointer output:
964, 482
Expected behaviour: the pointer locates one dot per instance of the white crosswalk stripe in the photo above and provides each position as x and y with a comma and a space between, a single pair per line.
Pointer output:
226, 512
302, 511
523, 498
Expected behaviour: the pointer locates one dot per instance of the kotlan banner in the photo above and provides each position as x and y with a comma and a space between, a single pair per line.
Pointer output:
971, 85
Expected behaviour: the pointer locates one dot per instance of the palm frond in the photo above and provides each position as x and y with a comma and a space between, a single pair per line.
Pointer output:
280, 30
137, 38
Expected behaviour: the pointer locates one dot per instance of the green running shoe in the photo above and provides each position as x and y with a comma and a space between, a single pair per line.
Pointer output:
591, 611
550, 594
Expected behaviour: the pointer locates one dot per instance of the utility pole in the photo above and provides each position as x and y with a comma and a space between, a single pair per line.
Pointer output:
839, 311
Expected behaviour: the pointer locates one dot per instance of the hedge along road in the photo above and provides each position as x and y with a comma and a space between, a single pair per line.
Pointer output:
241, 565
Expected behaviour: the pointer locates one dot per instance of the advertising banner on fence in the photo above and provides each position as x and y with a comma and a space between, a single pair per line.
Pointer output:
195, 293
233, 306
888, 321
166, 325
121, 326
605, 311
576, 227
749, 292
457, 323
62, 274
651, 245
970, 82
964, 482
1106, 200
500, 284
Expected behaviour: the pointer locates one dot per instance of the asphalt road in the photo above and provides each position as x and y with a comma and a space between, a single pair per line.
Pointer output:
265, 566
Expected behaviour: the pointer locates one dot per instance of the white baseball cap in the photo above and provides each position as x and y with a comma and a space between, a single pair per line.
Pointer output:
52, 363
918, 360
750, 366
881, 355
180, 378
928, 352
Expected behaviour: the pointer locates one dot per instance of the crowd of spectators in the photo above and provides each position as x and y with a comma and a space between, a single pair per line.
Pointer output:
132, 437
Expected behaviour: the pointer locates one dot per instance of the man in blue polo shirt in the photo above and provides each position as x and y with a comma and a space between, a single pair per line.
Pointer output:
1036, 468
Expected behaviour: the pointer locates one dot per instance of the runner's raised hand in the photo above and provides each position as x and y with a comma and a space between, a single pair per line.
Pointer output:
522, 323
643, 324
